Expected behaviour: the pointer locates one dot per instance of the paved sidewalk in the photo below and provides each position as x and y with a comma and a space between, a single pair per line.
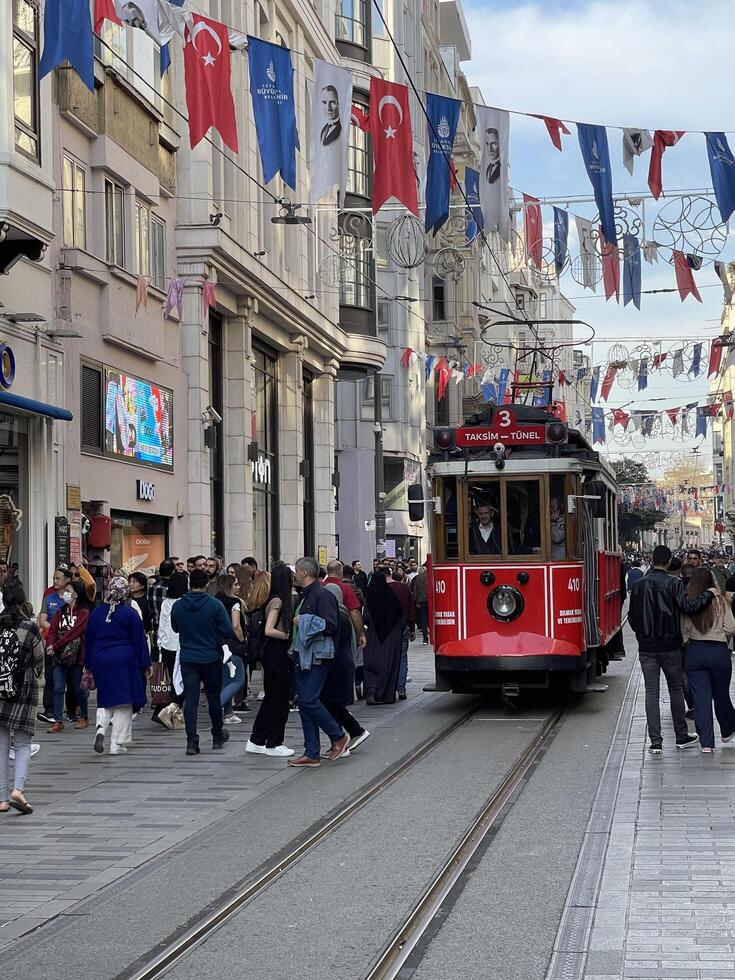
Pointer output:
99, 817
666, 901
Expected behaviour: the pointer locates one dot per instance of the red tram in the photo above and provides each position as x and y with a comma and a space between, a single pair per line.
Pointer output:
525, 570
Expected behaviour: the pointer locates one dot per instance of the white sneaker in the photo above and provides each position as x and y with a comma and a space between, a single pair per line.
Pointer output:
359, 740
36, 748
257, 749
232, 720
261, 695
280, 750
116, 749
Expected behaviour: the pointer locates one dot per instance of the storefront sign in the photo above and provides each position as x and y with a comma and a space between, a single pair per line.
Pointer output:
73, 497
7, 366
261, 470
145, 490
62, 551
322, 555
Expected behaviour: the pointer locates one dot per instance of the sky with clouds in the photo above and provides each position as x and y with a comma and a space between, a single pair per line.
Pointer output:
654, 64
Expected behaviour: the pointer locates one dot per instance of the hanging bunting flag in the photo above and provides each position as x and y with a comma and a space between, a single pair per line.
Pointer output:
722, 168
533, 228
647, 420
104, 10
677, 366
662, 139
174, 298
406, 358
727, 401
207, 79
271, 90
209, 296
594, 383
360, 118
598, 426
696, 361
621, 417
643, 374
721, 270
610, 268
581, 374
702, 419
390, 128
429, 366
474, 221
141, 294
489, 394
444, 374
331, 108
650, 252
730, 362
555, 127
715, 357
67, 36
673, 414
503, 391
587, 253
561, 238
631, 271
542, 399
607, 381
596, 156
493, 134
658, 360
684, 278
443, 118
165, 59
635, 143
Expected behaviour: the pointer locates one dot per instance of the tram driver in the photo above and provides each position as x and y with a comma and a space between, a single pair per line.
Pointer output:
485, 531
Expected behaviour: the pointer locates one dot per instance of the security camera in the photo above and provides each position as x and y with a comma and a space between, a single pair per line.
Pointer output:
211, 416
499, 448
216, 218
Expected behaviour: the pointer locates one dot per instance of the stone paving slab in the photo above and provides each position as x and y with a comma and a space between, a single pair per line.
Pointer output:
98, 817
665, 906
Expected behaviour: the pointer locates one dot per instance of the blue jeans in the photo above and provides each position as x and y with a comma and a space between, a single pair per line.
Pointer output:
63, 676
231, 685
314, 715
403, 669
193, 676
708, 666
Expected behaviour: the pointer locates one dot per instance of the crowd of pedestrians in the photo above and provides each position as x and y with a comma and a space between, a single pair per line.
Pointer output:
681, 612
322, 637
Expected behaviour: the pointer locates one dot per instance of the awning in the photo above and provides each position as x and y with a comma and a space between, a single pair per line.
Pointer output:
33, 407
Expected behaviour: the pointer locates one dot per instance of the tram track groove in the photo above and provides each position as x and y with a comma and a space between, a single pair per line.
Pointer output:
166, 956
392, 961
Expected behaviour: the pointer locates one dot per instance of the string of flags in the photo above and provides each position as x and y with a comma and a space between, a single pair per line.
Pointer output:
683, 499
646, 422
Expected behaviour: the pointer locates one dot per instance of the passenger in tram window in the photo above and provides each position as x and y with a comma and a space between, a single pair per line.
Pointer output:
524, 519
485, 531
558, 530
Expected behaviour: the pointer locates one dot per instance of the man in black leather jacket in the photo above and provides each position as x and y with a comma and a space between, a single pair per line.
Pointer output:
656, 603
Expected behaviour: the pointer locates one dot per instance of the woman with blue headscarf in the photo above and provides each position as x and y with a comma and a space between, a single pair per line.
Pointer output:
116, 653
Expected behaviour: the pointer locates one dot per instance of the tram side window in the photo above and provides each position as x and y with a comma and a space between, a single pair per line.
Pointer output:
449, 516
557, 518
524, 517
485, 537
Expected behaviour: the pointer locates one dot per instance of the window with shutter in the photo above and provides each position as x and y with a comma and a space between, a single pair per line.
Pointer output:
91, 408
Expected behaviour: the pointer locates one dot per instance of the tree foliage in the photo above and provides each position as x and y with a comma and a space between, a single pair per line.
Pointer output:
630, 471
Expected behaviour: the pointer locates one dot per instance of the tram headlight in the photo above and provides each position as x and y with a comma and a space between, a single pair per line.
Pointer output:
505, 603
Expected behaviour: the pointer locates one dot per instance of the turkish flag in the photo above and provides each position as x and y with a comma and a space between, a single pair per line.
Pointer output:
661, 139
104, 10
360, 118
207, 77
390, 128
533, 228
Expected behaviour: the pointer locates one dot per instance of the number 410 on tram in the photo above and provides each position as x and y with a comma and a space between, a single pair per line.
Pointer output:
525, 580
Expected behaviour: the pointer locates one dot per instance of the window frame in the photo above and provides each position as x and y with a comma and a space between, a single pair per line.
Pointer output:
438, 283
157, 239
114, 192
384, 330
356, 286
99, 369
356, 25
69, 196
32, 44
367, 404
358, 158
141, 239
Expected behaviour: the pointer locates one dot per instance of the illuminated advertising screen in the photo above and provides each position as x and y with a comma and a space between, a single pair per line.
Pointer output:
139, 422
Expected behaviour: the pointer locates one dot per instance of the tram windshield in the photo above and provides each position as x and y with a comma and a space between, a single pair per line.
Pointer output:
504, 517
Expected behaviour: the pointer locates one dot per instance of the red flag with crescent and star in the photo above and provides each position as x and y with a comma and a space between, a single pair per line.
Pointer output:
207, 76
104, 10
390, 128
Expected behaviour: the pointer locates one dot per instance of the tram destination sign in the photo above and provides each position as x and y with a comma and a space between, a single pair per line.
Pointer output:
505, 429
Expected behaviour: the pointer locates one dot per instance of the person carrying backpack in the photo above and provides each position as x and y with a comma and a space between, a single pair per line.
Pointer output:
21, 664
